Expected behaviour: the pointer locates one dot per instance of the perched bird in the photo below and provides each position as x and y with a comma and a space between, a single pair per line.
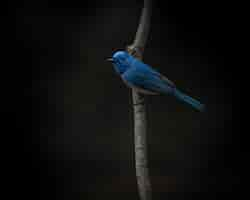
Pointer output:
146, 80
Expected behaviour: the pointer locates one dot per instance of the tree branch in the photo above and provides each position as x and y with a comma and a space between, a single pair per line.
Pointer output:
143, 28
140, 122
138, 46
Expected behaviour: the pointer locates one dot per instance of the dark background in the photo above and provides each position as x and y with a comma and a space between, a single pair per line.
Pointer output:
73, 115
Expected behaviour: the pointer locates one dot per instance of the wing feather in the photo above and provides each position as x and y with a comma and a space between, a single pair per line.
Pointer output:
146, 80
144, 67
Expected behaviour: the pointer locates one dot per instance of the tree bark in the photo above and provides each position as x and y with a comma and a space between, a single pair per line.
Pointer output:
140, 121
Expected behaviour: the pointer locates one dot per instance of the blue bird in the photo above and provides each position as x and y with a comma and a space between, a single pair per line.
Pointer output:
146, 80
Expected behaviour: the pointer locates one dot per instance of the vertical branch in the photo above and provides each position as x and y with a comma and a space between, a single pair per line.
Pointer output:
144, 25
140, 133
140, 122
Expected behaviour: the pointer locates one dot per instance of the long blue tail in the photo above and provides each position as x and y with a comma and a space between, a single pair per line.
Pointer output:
183, 97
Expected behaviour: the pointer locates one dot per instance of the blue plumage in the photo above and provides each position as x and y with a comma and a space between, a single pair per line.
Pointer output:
145, 79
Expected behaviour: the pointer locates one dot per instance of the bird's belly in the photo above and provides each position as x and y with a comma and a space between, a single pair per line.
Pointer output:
140, 89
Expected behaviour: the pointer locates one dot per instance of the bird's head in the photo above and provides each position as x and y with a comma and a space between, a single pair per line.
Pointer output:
120, 61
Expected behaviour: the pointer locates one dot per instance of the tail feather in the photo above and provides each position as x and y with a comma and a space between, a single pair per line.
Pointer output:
191, 101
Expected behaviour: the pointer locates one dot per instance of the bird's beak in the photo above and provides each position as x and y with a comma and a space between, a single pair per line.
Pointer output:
110, 60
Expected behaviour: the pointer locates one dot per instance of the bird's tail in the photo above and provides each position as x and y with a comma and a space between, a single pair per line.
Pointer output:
183, 97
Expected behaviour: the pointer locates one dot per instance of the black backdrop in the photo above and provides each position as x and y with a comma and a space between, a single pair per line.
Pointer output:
74, 115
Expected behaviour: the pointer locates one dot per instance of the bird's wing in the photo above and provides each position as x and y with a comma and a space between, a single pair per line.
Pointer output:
164, 78
146, 80
137, 81
149, 69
